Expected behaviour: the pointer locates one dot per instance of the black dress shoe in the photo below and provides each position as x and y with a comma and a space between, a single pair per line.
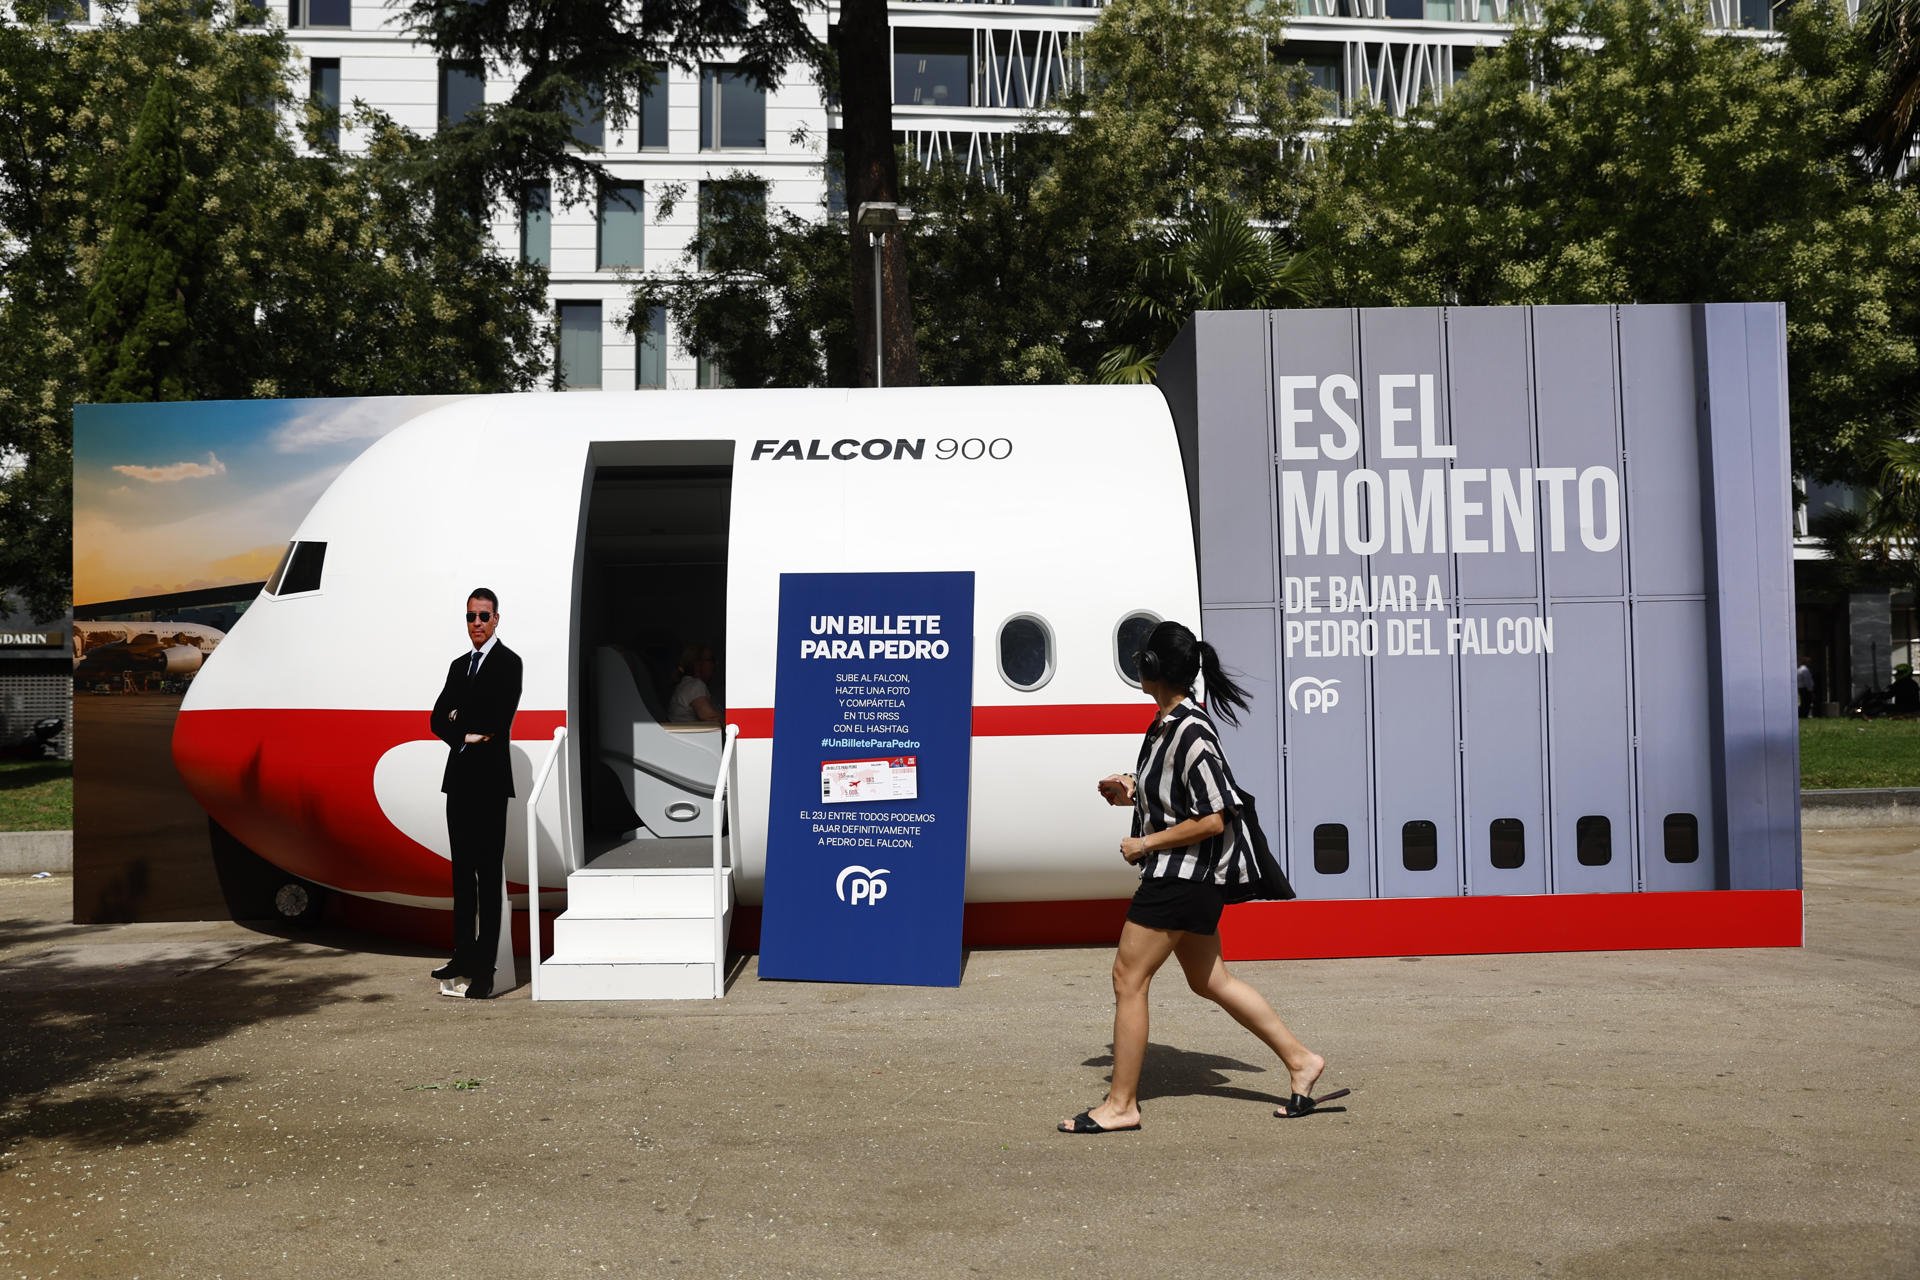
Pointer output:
451, 969
480, 989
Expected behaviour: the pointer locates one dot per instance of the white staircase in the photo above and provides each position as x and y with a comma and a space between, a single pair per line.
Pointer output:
640, 925
646, 919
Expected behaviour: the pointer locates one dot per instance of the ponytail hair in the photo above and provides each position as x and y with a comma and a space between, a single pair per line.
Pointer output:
1224, 695
1173, 655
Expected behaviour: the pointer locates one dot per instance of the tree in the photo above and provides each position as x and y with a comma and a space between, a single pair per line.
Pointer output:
1216, 261
138, 308
1014, 278
769, 307
1893, 30
1618, 152
865, 83
162, 234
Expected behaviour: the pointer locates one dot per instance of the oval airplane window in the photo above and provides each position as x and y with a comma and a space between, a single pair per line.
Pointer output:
1026, 652
1127, 639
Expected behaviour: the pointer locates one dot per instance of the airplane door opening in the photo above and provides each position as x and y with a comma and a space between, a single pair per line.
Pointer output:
652, 640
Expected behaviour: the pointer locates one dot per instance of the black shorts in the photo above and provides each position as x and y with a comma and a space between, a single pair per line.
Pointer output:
1193, 906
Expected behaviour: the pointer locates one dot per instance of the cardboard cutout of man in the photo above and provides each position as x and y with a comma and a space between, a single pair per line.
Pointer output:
474, 717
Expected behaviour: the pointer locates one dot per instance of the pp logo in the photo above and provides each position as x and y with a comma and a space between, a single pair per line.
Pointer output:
857, 885
1308, 695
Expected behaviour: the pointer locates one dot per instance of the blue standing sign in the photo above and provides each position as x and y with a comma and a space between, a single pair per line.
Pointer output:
872, 755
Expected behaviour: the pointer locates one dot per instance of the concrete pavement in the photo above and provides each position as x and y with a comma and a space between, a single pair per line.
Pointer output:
203, 1100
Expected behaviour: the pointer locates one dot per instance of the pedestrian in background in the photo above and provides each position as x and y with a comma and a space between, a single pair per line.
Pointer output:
1191, 841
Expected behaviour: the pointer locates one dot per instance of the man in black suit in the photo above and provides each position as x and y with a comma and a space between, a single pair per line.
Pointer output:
474, 717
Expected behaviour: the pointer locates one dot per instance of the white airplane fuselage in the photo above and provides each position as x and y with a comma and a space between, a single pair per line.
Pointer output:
1068, 504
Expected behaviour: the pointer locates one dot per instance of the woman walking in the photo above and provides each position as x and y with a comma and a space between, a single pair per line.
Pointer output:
1191, 841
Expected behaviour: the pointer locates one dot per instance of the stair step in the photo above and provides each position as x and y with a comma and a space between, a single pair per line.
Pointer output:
616, 938
640, 894
603, 980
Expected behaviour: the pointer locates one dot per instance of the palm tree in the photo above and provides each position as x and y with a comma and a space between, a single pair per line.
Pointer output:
1215, 261
1880, 536
1894, 28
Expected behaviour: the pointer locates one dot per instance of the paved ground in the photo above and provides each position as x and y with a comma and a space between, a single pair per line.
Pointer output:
201, 1100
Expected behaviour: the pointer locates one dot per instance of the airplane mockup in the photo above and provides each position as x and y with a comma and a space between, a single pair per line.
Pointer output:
616, 528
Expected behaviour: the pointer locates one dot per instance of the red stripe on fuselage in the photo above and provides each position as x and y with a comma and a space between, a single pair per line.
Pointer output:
296, 787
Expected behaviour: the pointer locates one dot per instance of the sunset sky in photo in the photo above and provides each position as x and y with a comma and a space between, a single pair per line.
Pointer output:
176, 497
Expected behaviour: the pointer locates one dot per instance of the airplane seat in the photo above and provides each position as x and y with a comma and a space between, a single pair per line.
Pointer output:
667, 772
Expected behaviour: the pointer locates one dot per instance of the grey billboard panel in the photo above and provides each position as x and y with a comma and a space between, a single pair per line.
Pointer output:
1403, 392
1245, 640
1659, 410
1416, 775
1678, 818
1590, 745
1742, 349
1323, 680
1329, 796
1577, 431
1236, 504
1670, 593
1503, 767
1310, 350
1490, 397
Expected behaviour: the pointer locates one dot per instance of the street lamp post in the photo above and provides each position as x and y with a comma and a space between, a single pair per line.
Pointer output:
879, 217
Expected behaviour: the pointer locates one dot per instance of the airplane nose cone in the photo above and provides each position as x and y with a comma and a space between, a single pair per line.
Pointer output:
296, 787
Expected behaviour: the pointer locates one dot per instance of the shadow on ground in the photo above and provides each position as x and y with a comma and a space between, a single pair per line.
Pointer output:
1171, 1072
90, 1028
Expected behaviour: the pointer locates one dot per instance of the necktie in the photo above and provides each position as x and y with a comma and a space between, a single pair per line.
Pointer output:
473, 665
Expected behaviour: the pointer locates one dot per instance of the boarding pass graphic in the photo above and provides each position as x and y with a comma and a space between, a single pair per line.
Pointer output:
880, 778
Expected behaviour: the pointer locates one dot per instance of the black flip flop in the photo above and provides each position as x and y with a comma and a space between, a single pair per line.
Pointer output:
1300, 1104
1085, 1123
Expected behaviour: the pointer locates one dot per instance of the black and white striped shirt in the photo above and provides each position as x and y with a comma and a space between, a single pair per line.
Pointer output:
1182, 774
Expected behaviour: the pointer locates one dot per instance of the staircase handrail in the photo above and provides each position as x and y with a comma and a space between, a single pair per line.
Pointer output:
723, 831
533, 854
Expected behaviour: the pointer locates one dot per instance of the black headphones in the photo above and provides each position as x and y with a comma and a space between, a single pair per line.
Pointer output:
1147, 662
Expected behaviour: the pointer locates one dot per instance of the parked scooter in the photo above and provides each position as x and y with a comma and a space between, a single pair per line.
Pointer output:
42, 742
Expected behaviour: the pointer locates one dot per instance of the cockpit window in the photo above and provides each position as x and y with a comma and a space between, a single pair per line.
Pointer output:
280, 570
299, 569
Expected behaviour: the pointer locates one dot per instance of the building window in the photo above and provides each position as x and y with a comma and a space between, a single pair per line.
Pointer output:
1023, 74
64, 11
463, 91
622, 238
1324, 67
589, 112
652, 370
1407, 9
1128, 639
653, 112
723, 205
323, 81
733, 110
536, 224
835, 167
933, 68
320, 13
579, 346
1026, 652
708, 372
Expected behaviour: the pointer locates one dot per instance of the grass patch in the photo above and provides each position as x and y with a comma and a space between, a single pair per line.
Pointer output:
36, 795
1859, 753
